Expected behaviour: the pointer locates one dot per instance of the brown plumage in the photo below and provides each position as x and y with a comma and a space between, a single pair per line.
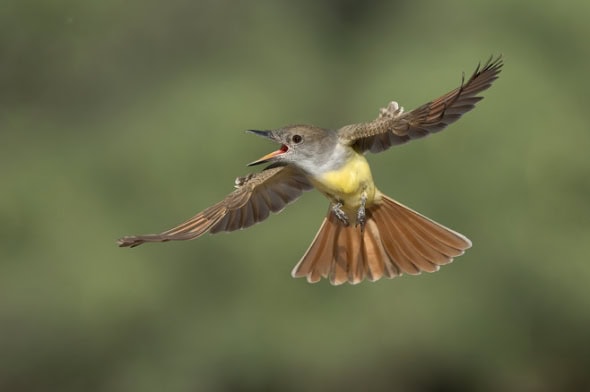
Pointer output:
396, 240
393, 127
255, 197
366, 235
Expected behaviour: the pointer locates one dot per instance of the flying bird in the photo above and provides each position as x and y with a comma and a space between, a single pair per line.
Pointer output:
366, 234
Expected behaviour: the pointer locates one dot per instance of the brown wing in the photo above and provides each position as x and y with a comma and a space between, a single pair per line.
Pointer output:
255, 197
394, 127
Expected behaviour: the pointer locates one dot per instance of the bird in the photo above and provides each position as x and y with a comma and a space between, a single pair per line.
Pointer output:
365, 234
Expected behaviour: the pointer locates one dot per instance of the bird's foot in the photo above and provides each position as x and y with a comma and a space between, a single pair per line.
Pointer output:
361, 218
361, 214
392, 110
340, 214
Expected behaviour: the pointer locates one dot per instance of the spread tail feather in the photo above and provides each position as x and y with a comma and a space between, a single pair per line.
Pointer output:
396, 240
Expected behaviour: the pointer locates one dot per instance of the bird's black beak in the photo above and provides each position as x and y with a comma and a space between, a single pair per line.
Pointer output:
267, 157
267, 134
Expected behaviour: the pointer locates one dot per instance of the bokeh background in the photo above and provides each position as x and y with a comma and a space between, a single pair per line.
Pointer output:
128, 117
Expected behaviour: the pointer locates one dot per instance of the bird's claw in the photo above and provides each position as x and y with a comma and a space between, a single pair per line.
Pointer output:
361, 218
392, 110
340, 214
361, 214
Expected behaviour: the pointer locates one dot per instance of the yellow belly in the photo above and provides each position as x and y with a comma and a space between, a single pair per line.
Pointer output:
347, 183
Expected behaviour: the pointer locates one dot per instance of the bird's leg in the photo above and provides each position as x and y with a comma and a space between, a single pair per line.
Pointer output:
361, 215
340, 214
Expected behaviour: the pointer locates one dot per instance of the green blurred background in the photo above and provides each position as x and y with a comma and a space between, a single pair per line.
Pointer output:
127, 117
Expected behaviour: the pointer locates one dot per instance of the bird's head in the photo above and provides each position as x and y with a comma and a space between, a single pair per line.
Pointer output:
301, 145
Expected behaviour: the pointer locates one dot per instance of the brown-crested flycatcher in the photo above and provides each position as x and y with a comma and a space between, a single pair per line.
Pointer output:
365, 234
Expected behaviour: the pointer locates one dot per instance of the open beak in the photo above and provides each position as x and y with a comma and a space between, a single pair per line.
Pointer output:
267, 157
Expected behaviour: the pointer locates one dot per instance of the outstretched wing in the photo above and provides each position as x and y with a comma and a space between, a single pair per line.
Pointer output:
394, 126
255, 197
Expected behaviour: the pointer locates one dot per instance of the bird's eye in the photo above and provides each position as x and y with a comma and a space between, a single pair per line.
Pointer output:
297, 139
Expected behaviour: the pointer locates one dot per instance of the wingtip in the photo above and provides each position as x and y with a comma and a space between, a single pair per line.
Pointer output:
494, 62
129, 242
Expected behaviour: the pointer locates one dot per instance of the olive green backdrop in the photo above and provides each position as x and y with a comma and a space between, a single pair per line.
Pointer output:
128, 117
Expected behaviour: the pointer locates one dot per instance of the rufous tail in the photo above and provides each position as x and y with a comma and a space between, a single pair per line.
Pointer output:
396, 240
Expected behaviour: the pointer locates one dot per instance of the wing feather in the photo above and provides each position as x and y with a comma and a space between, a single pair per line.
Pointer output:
394, 126
255, 197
